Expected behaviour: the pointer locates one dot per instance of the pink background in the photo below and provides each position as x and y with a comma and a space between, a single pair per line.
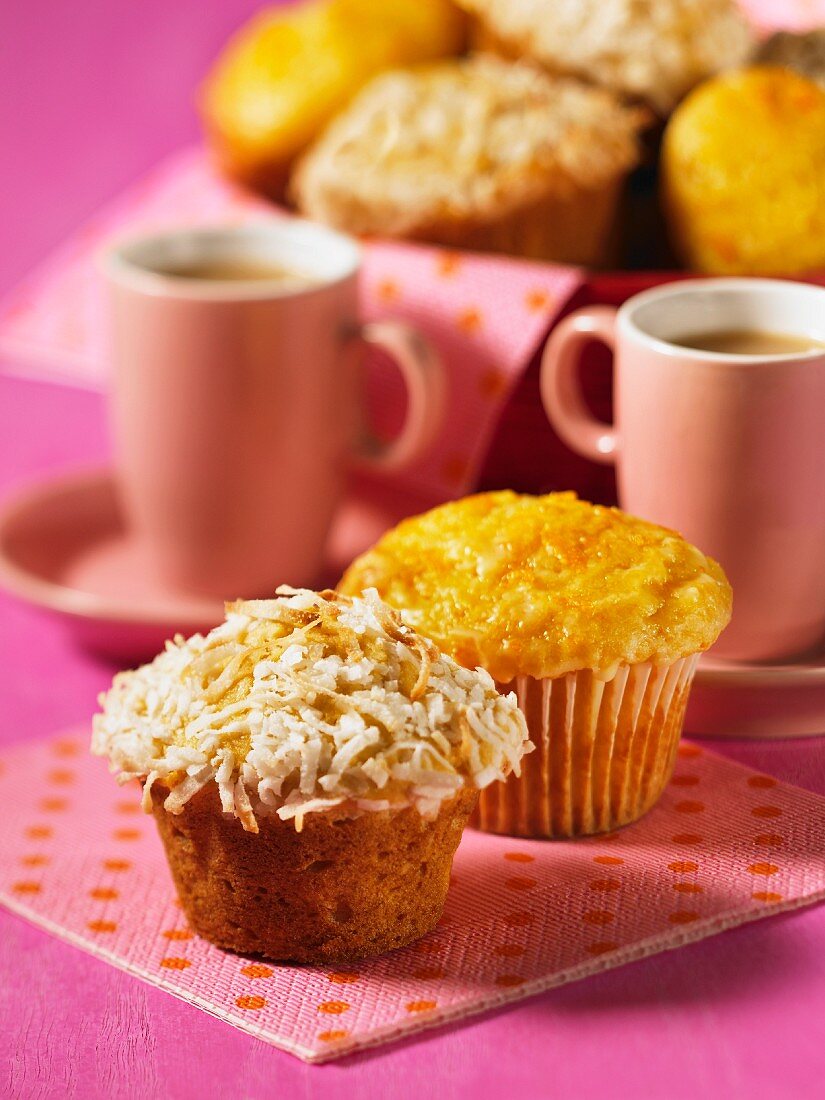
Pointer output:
91, 95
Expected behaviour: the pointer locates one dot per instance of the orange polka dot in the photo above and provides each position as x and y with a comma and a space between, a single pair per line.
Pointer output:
428, 973
683, 916
39, 832
598, 916
605, 885
427, 947
103, 893
689, 807
519, 857
766, 811
128, 808
257, 970
251, 1003
683, 866
519, 920
116, 864
608, 861
342, 977
61, 777
101, 926
469, 321
509, 950
763, 869
688, 887
601, 947
387, 291
172, 962
769, 840
333, 1008
688, 750
127, 834
767, 896
761, 781
66, 748
177, 934
34, 861
421, 1006
492, 383
54, 805
685, 780
687, 839
325, 1036
537, 300
520, 882
509, 981
26, 887
454, 470
447, 264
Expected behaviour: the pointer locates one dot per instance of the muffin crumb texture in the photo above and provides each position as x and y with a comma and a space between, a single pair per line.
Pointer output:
463, 142
655, 50
307, 703
544, 586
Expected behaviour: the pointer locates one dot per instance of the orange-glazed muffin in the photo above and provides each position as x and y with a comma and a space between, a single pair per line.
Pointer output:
310, 764
593, 617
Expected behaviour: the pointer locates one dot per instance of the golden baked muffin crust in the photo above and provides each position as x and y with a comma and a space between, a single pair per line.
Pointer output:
655, 50
542, 586
463, 141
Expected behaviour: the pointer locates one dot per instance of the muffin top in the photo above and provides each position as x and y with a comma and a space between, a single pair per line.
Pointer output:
306, 703
472, 138
655, 50
743, 174
542, 586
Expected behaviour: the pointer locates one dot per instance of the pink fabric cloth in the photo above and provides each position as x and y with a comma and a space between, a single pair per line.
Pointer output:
725, 845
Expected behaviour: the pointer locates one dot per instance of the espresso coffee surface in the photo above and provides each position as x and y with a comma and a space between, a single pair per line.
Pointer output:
749, 342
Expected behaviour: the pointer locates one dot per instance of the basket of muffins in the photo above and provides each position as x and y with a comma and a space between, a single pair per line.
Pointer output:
600, 133
518, 663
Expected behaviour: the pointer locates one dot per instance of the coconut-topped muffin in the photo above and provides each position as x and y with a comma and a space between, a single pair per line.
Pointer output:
656, 50
299, 704
542, 586
310, 765
478, 152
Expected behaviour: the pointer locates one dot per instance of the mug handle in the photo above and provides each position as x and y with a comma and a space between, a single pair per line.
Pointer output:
561, 389
426, 383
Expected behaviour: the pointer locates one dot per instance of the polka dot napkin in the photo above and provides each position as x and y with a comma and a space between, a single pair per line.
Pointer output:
725, 845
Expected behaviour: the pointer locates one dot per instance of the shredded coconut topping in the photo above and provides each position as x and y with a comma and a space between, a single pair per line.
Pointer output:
305, 703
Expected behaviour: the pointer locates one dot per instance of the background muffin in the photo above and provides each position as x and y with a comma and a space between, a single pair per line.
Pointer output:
310, 764
803, 52
743, 174
481, 153
288, 71
593, 617
654, 50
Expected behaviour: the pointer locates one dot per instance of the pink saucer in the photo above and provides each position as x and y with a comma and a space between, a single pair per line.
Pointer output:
764, 701
64, 547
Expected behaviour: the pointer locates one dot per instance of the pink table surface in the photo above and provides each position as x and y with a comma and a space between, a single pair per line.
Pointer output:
91, 95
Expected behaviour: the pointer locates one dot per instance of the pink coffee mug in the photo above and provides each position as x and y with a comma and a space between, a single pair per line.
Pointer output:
728, 449
237, 405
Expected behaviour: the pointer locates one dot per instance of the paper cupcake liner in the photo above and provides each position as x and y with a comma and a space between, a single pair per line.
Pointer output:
605, 750
576, 229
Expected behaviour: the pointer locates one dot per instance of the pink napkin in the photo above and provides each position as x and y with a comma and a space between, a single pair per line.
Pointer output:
486, 315
724, 846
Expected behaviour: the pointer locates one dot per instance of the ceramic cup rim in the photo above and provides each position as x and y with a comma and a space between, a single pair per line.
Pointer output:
332, 258
629, 326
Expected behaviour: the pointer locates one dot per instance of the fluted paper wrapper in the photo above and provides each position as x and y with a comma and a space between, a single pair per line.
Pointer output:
605, 750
